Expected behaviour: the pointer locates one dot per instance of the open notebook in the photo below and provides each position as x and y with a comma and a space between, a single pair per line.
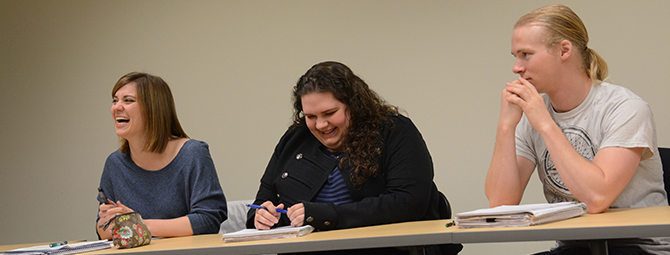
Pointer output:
255, 234
519, 215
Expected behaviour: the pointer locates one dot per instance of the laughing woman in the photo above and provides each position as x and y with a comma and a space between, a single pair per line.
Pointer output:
349, 160
158, 171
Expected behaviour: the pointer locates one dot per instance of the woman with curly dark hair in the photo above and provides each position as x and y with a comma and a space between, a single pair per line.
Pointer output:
349, 160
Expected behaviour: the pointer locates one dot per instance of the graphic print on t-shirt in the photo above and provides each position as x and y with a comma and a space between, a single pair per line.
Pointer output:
582, 143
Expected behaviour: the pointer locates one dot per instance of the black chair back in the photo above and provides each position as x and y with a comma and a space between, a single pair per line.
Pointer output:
444, 207
665, 160
445, 213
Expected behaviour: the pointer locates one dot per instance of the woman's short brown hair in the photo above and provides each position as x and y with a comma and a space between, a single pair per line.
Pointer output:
158, 110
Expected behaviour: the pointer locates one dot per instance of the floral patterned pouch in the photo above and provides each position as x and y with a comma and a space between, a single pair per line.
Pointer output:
129, 231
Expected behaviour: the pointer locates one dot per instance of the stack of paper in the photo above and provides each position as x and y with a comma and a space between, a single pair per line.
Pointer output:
519, 215
254, 234
63, 249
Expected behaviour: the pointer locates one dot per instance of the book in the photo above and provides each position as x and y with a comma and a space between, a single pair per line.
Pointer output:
63, 249
255, 234
519, 215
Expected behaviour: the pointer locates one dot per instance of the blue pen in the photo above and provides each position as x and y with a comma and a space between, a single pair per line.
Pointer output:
263, 207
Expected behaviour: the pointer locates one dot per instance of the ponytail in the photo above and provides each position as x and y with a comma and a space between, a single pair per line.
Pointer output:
596, 67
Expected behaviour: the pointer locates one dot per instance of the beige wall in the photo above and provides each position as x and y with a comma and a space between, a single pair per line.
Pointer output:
231, 66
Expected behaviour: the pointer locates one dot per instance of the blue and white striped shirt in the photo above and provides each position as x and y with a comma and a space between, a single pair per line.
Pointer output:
335, 190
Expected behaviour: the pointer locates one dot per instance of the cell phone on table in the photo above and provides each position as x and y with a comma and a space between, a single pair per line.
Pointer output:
103, 196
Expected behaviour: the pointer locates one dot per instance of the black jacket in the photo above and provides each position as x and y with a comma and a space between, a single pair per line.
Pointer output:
403, 189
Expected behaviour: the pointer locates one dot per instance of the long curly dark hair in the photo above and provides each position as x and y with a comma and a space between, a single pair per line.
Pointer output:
366, 110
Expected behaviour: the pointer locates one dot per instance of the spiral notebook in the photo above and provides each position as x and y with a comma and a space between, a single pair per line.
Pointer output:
519, 215
73, 248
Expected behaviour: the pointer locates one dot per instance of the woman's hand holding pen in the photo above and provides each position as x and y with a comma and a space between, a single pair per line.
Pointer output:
265, 219
111, 209
296, 214
107, 212
268, 217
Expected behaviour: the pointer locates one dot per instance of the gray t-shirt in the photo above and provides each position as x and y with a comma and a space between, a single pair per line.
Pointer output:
610, 116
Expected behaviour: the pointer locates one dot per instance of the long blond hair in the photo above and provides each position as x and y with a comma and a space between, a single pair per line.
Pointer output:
562, 23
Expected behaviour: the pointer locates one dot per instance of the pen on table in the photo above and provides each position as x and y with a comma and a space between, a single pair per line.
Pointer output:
451, 223
51, 245
263, 207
